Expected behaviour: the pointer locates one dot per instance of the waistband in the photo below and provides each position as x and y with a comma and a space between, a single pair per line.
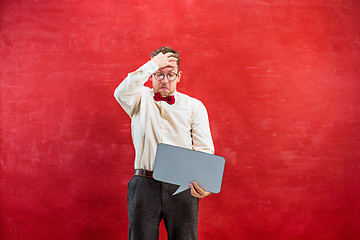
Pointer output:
143, 173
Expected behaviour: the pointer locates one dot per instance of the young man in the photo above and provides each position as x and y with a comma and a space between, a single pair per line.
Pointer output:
162, 115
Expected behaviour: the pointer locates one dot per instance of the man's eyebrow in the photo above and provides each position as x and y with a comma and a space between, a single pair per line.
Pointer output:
173, 69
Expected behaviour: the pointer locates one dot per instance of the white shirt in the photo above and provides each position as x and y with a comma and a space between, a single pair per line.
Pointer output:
184, 124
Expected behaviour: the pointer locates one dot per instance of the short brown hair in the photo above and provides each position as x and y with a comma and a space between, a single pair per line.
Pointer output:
166, 50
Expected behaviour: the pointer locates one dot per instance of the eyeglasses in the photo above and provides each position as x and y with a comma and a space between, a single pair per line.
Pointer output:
171, 76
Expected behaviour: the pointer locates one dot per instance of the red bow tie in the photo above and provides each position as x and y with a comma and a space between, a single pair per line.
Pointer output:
169, 99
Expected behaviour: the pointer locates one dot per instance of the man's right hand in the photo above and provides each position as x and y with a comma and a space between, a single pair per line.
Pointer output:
165, 60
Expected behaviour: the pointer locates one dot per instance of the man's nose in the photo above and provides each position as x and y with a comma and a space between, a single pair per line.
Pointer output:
165, 79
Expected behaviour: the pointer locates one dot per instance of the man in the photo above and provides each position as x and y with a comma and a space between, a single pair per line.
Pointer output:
162, 115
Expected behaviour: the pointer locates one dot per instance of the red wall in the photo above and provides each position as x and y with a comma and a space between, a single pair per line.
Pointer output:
281, 82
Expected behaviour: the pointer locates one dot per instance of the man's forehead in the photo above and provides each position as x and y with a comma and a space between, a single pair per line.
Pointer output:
167, 69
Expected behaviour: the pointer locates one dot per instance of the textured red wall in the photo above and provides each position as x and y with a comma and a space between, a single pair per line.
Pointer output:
281, 82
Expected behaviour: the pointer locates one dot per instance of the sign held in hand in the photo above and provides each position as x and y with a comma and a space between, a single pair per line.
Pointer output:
182, 166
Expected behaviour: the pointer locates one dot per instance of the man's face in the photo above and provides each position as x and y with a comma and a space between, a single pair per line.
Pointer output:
166, 87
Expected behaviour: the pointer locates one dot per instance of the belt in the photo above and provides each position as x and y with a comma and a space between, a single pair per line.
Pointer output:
143, 173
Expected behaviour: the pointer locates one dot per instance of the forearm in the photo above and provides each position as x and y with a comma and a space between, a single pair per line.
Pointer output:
129, 91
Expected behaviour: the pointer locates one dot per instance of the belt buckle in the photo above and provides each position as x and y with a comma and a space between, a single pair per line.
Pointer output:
147, 173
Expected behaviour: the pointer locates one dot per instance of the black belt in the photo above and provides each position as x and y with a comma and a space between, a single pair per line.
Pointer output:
143, 173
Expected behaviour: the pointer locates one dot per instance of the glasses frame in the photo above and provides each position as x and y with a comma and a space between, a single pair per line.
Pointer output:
165, 75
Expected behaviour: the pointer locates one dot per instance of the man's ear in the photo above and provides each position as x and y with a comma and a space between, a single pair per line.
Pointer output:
179, 76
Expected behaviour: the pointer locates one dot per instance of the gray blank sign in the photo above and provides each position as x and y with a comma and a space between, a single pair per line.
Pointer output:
181, 166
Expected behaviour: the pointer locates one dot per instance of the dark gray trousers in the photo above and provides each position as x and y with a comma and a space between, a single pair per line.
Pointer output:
150, 201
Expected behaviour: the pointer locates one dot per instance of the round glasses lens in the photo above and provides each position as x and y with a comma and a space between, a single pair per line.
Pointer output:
171, 76
159, 76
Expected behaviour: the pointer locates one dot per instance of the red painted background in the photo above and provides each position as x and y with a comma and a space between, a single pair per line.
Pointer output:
281, 82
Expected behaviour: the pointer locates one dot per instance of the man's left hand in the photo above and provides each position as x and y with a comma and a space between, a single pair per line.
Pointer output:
197, 191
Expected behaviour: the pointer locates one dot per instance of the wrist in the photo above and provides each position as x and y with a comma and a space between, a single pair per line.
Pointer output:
154, 65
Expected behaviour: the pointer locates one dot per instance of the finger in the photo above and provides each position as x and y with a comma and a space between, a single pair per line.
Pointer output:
169, 54
201, 191
193, 188
172, 59
172, 63
194, 192
198, 188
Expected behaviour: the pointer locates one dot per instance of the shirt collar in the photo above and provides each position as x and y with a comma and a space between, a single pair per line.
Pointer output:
175, 93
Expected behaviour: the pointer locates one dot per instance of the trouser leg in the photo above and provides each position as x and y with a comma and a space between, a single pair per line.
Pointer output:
144, 208
180, 213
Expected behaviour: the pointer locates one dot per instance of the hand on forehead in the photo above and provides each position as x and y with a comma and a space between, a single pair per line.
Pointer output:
165, 60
